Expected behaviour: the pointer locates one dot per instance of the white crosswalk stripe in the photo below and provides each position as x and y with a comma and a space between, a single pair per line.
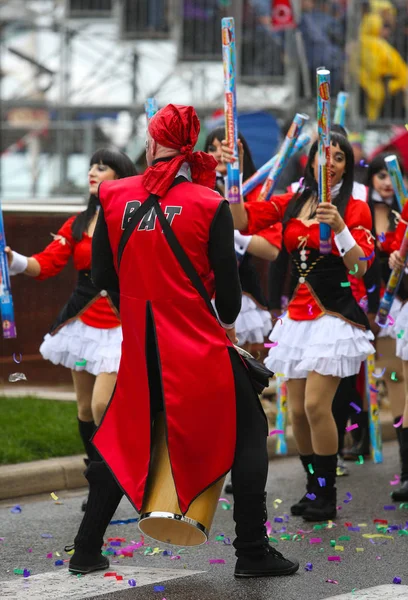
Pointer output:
62, 585
382, 592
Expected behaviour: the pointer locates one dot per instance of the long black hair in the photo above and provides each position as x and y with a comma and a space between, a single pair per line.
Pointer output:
123, 167
309, 187
219, 134
376, 165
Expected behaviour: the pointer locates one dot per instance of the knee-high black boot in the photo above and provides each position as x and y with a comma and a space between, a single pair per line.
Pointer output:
323, 507
360, 437
86, 431
256, 558
104, 497
401, 495
300, 507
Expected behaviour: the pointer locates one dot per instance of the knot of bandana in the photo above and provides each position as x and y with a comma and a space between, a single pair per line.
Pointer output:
178, 127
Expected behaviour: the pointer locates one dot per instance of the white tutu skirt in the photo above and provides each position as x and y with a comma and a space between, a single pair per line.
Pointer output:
328, 345
391, 329
253, 323
76, 343
401, 328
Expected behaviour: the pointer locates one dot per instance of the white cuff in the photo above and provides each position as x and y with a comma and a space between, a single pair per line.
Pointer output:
241, 242
344, 241
18, 264
225, 326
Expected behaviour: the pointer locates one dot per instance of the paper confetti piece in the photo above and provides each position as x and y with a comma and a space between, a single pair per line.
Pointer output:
396, 580
377, 535
356, 407
399, 423
132, 582
54, 496
276, 432
59, 563
322, 481
344, 538
158, 588
345, 284
371, 289
277, 502
339, 548
13, 377
378, 375
360, 460
332, 581
310, 309
334, 558
309, 567
81, 363
311, 496
216, 561
373, 389
400, 335
354, 271
369, 257
391, 320
315, 541
359, 549
20, 357
16, 509
349, 498
390, 507
311, 469
351, 427
271, 345
396, 480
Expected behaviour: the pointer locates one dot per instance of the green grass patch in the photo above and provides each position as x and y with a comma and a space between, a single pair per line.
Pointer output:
33, 429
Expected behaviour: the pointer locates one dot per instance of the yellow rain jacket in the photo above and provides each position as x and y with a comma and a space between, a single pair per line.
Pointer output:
378, 64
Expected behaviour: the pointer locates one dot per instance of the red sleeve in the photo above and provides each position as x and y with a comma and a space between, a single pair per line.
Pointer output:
56, 255
262, 215
400, 231
358, 219
388, 243
273, 235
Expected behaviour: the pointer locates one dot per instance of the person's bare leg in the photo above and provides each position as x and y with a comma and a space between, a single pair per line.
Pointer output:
102, 393
300, 424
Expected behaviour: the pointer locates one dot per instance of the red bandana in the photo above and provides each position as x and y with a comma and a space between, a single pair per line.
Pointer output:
177, 127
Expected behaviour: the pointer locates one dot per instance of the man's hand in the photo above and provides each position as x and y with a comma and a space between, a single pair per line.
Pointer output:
395, 260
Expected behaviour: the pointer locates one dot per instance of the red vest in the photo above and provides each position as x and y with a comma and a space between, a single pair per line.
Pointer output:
196, 373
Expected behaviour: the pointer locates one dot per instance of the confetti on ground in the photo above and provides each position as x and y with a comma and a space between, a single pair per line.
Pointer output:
158, 588
216, 561
46, 535
277, 502
351, 427
396, 580
20, 357
276, 432
332, 581
390, 507
334, 558
13, 377
400, 421
54, 496
309, 567
349, 498
16, 509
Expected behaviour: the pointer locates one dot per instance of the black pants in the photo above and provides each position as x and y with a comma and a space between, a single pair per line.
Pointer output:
346, 393
250, 468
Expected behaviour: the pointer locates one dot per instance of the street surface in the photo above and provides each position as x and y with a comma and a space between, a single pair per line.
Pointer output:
34, 539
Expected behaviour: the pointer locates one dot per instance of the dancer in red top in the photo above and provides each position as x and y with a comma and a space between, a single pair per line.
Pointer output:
325, 334
401, 327
86, 336
173, 344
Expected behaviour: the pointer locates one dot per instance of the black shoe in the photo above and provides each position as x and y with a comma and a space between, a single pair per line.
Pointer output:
401, 495
83, 563
271, 564
228, 488
360, 447
323, 508
84, 504
299, 508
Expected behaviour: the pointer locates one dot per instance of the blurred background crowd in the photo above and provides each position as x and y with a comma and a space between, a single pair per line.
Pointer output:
74, 75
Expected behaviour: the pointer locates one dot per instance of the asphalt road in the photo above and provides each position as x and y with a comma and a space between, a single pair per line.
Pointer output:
44, 527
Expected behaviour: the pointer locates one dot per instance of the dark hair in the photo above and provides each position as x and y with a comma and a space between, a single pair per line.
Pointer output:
310, 184
123, 167
219, 134
337, 128
376, 165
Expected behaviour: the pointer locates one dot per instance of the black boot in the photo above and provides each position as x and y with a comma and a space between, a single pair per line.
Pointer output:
104, 497
299, 508
323, 508
401, 495
228, 488
86, 431
256, 558
361, 438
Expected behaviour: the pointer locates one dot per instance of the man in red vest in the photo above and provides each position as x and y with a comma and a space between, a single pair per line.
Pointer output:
177, 357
